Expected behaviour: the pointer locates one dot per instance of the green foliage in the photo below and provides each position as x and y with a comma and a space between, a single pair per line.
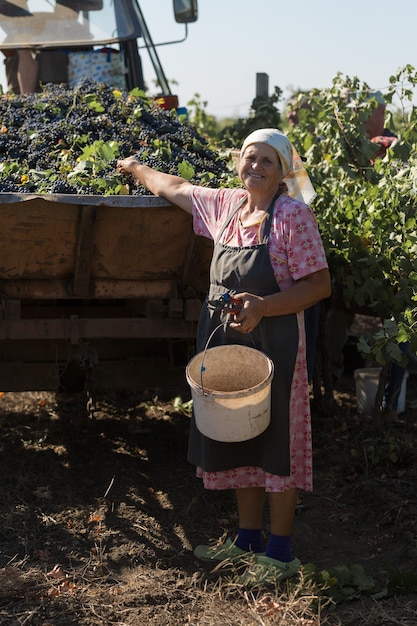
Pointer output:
206, 124
263, 114
342, 582
385, 451
186, 170
183, 407
366, 209
399, 582
411, 544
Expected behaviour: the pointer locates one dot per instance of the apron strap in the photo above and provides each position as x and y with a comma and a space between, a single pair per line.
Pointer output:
268, 219
231, 216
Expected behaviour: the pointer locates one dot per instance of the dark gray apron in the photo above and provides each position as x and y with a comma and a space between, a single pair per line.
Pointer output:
234, 270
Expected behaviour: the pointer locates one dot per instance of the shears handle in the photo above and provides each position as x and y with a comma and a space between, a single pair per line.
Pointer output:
231, 305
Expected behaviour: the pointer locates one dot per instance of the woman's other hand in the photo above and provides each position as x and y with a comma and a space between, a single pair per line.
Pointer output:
303, 294
251, 313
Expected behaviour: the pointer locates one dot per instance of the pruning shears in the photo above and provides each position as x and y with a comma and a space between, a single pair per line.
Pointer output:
227, 304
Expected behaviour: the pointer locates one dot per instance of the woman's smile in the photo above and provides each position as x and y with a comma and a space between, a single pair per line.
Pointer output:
260, 166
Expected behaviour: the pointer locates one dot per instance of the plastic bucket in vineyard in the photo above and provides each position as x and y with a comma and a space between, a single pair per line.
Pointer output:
366, 383
231, 392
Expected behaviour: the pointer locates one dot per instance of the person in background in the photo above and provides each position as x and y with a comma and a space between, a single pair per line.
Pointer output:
24, 65
21, 70
385, 139
21, 65
340, 319
375, 129
293, 106
268, 254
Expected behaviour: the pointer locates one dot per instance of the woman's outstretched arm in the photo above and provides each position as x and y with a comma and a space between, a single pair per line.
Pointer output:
172, 188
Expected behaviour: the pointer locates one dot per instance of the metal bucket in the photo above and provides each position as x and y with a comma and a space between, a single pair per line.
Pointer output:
231, 392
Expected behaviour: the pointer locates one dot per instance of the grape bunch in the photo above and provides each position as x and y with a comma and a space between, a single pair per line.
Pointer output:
67, 141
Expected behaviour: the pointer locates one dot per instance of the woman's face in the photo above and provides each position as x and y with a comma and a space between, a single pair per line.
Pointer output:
260, 169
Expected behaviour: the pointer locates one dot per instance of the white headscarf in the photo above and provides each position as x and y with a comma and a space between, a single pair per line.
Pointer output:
295, 176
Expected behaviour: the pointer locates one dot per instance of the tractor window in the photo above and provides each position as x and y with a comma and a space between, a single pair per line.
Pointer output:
51, 23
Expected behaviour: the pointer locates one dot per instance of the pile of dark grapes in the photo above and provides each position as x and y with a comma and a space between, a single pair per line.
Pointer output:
43, 136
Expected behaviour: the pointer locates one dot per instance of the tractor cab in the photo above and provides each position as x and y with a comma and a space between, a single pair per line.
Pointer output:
95, 38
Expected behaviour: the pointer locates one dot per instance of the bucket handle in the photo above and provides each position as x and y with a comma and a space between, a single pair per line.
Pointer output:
202, 368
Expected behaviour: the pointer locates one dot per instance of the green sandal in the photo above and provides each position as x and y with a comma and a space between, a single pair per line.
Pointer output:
225, 551
267, 571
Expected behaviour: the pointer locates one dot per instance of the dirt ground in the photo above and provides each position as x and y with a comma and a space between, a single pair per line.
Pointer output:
98, 518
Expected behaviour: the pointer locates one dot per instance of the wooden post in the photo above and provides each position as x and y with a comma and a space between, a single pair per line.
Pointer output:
262, 86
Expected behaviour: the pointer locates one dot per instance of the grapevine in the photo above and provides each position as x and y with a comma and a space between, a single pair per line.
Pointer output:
366, 211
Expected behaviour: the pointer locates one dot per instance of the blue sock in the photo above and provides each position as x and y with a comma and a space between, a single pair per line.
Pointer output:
249, 540
279, 547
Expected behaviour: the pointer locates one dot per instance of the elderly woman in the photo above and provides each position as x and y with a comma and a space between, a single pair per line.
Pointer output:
268, 254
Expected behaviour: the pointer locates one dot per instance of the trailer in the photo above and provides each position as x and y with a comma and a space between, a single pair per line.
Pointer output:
97, 292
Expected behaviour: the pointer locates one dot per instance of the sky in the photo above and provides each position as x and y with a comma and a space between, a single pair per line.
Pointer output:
299, 45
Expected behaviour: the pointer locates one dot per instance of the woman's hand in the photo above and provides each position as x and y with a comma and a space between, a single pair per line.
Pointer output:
127, 166
303, 294
251, 313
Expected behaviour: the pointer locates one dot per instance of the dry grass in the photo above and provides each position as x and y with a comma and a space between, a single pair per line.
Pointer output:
155, 597
159, 596
98, 520
367, 612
